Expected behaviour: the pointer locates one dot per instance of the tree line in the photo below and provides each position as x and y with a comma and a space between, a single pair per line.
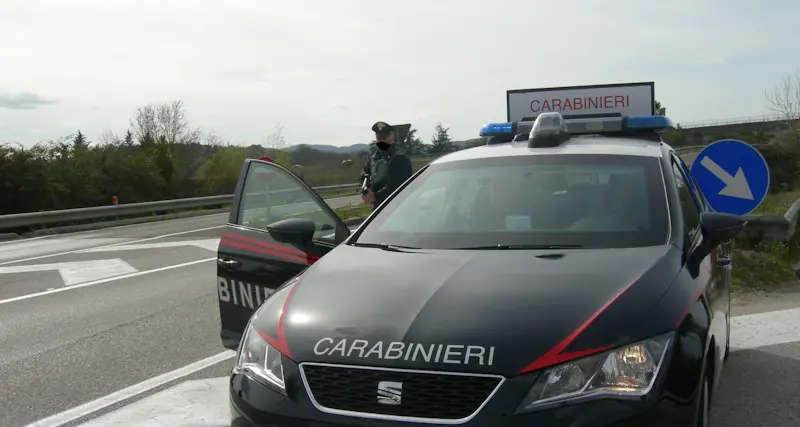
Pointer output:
161, 156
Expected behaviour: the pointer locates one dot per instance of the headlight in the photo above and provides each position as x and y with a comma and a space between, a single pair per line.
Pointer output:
259, 360
626, 372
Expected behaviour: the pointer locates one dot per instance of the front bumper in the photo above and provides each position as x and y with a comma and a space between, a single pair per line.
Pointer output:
254, 404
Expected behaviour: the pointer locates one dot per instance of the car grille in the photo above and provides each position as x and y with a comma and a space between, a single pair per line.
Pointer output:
431, 395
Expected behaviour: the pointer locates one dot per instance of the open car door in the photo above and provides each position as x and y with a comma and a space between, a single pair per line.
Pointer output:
251, 264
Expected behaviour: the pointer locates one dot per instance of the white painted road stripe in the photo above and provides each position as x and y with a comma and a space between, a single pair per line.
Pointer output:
132, 391
208, 244
110, 279
196, 403
111, 245
764, 329
77, 272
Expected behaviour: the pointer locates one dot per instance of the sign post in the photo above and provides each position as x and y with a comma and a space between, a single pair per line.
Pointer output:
733, 176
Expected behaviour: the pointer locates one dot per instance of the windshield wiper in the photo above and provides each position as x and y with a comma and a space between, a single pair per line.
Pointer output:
384, 246
522, 246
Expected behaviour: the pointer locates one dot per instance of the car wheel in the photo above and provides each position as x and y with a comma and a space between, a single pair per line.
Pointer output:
704, 413
728, 335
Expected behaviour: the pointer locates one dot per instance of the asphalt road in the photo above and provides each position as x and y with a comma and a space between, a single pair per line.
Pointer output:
79, 353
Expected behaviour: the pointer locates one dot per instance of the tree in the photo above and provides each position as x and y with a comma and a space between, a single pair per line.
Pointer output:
107, 137
128, 140
145, 124
171, 121
411, 145
660, 109
784, 99
276, 141
79, 141
441, 142
167, 120
147, 139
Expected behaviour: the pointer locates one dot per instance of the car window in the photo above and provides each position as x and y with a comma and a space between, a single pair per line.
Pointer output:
271, 194
588, 200
689, 204
694, 189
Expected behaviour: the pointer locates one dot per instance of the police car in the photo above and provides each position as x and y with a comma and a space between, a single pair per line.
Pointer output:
574, 278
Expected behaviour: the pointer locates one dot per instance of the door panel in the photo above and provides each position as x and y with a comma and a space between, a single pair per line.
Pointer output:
714, 276
250, 263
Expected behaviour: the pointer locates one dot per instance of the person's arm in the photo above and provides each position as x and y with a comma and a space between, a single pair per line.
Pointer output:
366, 170
399, 171
370, 196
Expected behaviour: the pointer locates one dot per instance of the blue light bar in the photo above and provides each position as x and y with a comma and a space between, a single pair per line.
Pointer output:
494, 129
552, 129
648, 122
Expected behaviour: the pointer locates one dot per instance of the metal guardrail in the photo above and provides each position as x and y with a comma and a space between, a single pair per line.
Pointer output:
697, 148
733, 121
775, 228
42, 218
82, 214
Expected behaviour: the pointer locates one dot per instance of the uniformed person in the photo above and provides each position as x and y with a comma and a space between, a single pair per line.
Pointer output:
386, 168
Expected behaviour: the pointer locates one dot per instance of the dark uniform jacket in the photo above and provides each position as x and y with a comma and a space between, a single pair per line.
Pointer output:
388, 170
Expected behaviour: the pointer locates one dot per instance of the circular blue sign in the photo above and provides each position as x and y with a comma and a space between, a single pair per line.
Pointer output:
733, 176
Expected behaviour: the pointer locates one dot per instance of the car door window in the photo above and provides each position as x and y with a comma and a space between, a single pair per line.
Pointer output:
271, 194
692, 185
690, 205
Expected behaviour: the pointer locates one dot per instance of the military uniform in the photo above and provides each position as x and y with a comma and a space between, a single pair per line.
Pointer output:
387, 168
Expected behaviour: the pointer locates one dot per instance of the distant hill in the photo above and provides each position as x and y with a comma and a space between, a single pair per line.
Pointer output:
350, 149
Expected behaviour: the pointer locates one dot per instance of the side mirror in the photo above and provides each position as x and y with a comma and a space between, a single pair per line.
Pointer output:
719, 227
294, 231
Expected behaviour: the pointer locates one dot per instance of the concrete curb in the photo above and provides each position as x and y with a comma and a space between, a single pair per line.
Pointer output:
109, 224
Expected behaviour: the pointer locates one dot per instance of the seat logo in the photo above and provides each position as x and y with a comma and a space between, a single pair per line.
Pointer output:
390, 392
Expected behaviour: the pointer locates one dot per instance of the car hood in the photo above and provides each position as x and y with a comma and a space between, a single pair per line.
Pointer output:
490, 311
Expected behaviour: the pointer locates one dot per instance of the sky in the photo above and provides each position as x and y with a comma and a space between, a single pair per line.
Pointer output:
326, 70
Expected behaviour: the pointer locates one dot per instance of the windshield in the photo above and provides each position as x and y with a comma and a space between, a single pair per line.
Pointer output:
589, 201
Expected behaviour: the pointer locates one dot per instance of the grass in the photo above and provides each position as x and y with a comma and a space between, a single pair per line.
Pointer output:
764, 265
350, 212
758, 266
777, 203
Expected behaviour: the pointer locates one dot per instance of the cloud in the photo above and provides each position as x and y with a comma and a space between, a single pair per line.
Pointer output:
24, 101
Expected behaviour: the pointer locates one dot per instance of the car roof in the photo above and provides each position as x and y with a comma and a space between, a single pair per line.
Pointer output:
579, 144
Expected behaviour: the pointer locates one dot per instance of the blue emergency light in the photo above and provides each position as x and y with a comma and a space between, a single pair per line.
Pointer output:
551, 129
648, 122
585, 125
497, 129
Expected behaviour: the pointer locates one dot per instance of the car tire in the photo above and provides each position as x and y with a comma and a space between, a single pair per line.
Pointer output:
704, 411
728, 335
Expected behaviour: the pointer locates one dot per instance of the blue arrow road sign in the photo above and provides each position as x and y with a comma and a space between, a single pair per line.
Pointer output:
733, 176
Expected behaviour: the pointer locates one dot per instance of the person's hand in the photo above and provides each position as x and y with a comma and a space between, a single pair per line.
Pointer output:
368, 198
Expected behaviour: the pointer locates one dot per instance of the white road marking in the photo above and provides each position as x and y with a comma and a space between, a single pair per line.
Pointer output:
110, 279
764, 329
114, 244
77, 272
210, 244
132, 391
25, 249
196, 403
